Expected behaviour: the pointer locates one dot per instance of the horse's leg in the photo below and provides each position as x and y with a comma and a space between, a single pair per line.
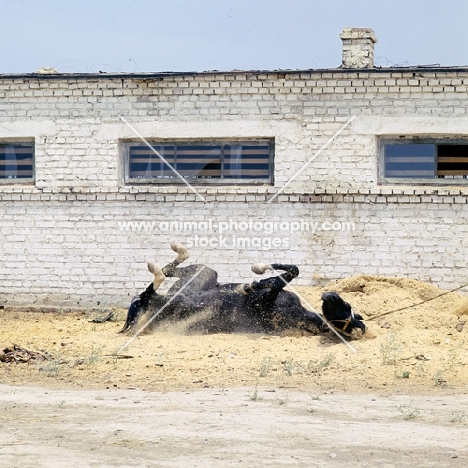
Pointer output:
279, 311
275, 283
262, 295
185, 295
193, 279
159, 276
140, 303
170, 270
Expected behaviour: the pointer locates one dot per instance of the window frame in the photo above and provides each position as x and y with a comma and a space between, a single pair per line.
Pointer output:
402, 140
22, 180
127, 144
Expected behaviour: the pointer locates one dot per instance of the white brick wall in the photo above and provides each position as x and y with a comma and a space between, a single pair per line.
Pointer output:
61, 240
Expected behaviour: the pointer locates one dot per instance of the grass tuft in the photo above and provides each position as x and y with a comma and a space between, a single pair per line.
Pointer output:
409, 412
390, 350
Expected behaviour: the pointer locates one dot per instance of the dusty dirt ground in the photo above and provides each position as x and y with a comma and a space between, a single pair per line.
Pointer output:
229, 427
394, 397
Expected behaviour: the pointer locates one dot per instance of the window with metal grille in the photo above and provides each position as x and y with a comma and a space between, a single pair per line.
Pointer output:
200, 162
16, 162
424, 161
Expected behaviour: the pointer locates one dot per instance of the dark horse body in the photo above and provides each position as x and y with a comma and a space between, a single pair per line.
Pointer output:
261, 306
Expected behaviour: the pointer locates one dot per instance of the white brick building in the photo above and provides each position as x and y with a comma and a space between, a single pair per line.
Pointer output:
388, 195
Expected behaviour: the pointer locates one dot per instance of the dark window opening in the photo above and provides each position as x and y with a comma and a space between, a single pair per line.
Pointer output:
410, 161
16, 162
433, 160
452, 161
200, 162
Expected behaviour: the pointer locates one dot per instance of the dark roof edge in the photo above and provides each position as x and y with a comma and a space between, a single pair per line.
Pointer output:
146, 75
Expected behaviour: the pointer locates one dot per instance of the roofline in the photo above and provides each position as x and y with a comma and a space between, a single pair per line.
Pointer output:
170, 74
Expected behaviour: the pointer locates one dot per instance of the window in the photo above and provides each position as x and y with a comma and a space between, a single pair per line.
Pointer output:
200, 162
440, 161
16, 162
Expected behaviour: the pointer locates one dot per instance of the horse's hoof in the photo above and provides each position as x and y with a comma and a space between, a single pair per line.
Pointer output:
182, 253
243, 289
152, 267
260, 268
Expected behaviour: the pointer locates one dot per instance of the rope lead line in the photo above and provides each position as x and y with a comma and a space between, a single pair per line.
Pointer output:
419, 303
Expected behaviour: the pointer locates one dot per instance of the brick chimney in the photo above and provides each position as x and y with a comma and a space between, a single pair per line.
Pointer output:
358, 47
